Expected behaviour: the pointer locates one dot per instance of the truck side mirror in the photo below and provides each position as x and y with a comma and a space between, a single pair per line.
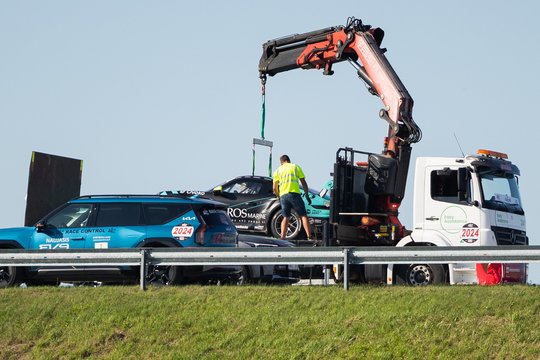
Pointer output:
462, 183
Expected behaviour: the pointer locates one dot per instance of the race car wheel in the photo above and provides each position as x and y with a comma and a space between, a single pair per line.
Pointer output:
9, 276
294, 229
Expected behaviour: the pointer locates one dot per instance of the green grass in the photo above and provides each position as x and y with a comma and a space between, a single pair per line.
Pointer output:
462, 322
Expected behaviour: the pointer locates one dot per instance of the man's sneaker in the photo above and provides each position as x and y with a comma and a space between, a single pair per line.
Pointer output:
313, 240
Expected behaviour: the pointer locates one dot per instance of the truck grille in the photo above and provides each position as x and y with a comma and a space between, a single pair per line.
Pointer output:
505, 236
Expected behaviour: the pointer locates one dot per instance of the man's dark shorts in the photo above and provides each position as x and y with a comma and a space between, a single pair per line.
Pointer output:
292, 201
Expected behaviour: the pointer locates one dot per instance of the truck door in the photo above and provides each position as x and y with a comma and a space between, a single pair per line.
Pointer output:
444, 213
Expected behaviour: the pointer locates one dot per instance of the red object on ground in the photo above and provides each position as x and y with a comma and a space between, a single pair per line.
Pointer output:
489, 274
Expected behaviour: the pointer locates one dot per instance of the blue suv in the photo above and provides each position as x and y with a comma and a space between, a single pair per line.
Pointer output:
124, 221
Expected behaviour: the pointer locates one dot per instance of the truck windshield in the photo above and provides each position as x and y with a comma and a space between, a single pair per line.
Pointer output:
500, 191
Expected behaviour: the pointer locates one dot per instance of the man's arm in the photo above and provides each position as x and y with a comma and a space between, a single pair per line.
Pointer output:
276, 188
304, 185
306, 190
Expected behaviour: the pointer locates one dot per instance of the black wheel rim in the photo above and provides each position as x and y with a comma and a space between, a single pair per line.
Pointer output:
158, 275
420, 275
6, 276
292, 228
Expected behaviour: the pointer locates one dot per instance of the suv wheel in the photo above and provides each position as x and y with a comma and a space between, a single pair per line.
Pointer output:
244, 277
9, 276
164, 275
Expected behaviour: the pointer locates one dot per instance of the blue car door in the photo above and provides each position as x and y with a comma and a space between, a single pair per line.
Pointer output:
116, 225
64, 229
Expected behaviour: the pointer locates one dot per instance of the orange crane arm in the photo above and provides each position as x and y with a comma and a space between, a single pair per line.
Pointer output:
360, 45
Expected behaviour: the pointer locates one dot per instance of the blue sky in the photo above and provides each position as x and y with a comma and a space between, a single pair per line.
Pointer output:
165, 94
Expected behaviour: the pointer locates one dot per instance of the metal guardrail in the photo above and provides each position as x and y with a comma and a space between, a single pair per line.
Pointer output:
268, 256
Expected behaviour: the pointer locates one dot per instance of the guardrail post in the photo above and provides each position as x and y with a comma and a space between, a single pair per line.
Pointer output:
326, 273
326, 242
346, 269
144, 268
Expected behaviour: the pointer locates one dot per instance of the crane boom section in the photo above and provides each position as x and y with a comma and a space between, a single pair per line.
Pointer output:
322, 48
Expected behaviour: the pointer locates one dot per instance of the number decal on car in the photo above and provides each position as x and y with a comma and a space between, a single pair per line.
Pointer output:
470, 233
182, 231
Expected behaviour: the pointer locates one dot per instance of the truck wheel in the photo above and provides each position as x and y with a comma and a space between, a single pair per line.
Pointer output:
293, 230
356, 274
337, 273
10, 276
421, 274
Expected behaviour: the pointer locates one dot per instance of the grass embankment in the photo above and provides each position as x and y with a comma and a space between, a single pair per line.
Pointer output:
464, 322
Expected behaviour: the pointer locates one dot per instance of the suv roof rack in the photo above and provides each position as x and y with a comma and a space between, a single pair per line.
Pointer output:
150, 196
182, 193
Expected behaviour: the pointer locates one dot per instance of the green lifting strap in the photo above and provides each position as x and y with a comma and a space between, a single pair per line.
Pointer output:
270, 163
262, 141
263, 114
253, 162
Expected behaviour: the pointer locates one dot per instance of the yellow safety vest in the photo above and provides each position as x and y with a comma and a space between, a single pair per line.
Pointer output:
287, 176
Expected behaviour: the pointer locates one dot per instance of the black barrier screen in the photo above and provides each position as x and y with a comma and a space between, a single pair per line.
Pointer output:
52, 181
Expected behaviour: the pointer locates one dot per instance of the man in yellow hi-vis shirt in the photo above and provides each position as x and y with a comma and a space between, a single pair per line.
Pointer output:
287, 189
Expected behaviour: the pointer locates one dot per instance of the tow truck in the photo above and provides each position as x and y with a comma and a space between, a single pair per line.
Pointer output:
471, 200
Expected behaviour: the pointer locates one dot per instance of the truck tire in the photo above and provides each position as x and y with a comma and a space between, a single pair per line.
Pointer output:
420, 274
337, 273
356, 274
10, 276
294, 229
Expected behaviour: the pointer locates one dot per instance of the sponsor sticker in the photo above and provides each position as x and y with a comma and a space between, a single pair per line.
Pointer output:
238, 214
182, 232
101, 245
192, 192
101, 238
453, 219
507, 199
56, 240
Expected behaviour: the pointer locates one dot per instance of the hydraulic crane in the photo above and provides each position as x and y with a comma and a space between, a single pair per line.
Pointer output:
360, 45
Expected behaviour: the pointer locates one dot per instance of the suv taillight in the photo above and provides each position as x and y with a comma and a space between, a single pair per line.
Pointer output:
199, 239
217, 238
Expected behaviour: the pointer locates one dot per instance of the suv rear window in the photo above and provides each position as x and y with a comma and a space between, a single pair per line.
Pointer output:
158, 214
216, 217
126, 214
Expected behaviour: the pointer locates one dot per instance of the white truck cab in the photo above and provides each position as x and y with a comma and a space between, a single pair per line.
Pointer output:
470, 201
